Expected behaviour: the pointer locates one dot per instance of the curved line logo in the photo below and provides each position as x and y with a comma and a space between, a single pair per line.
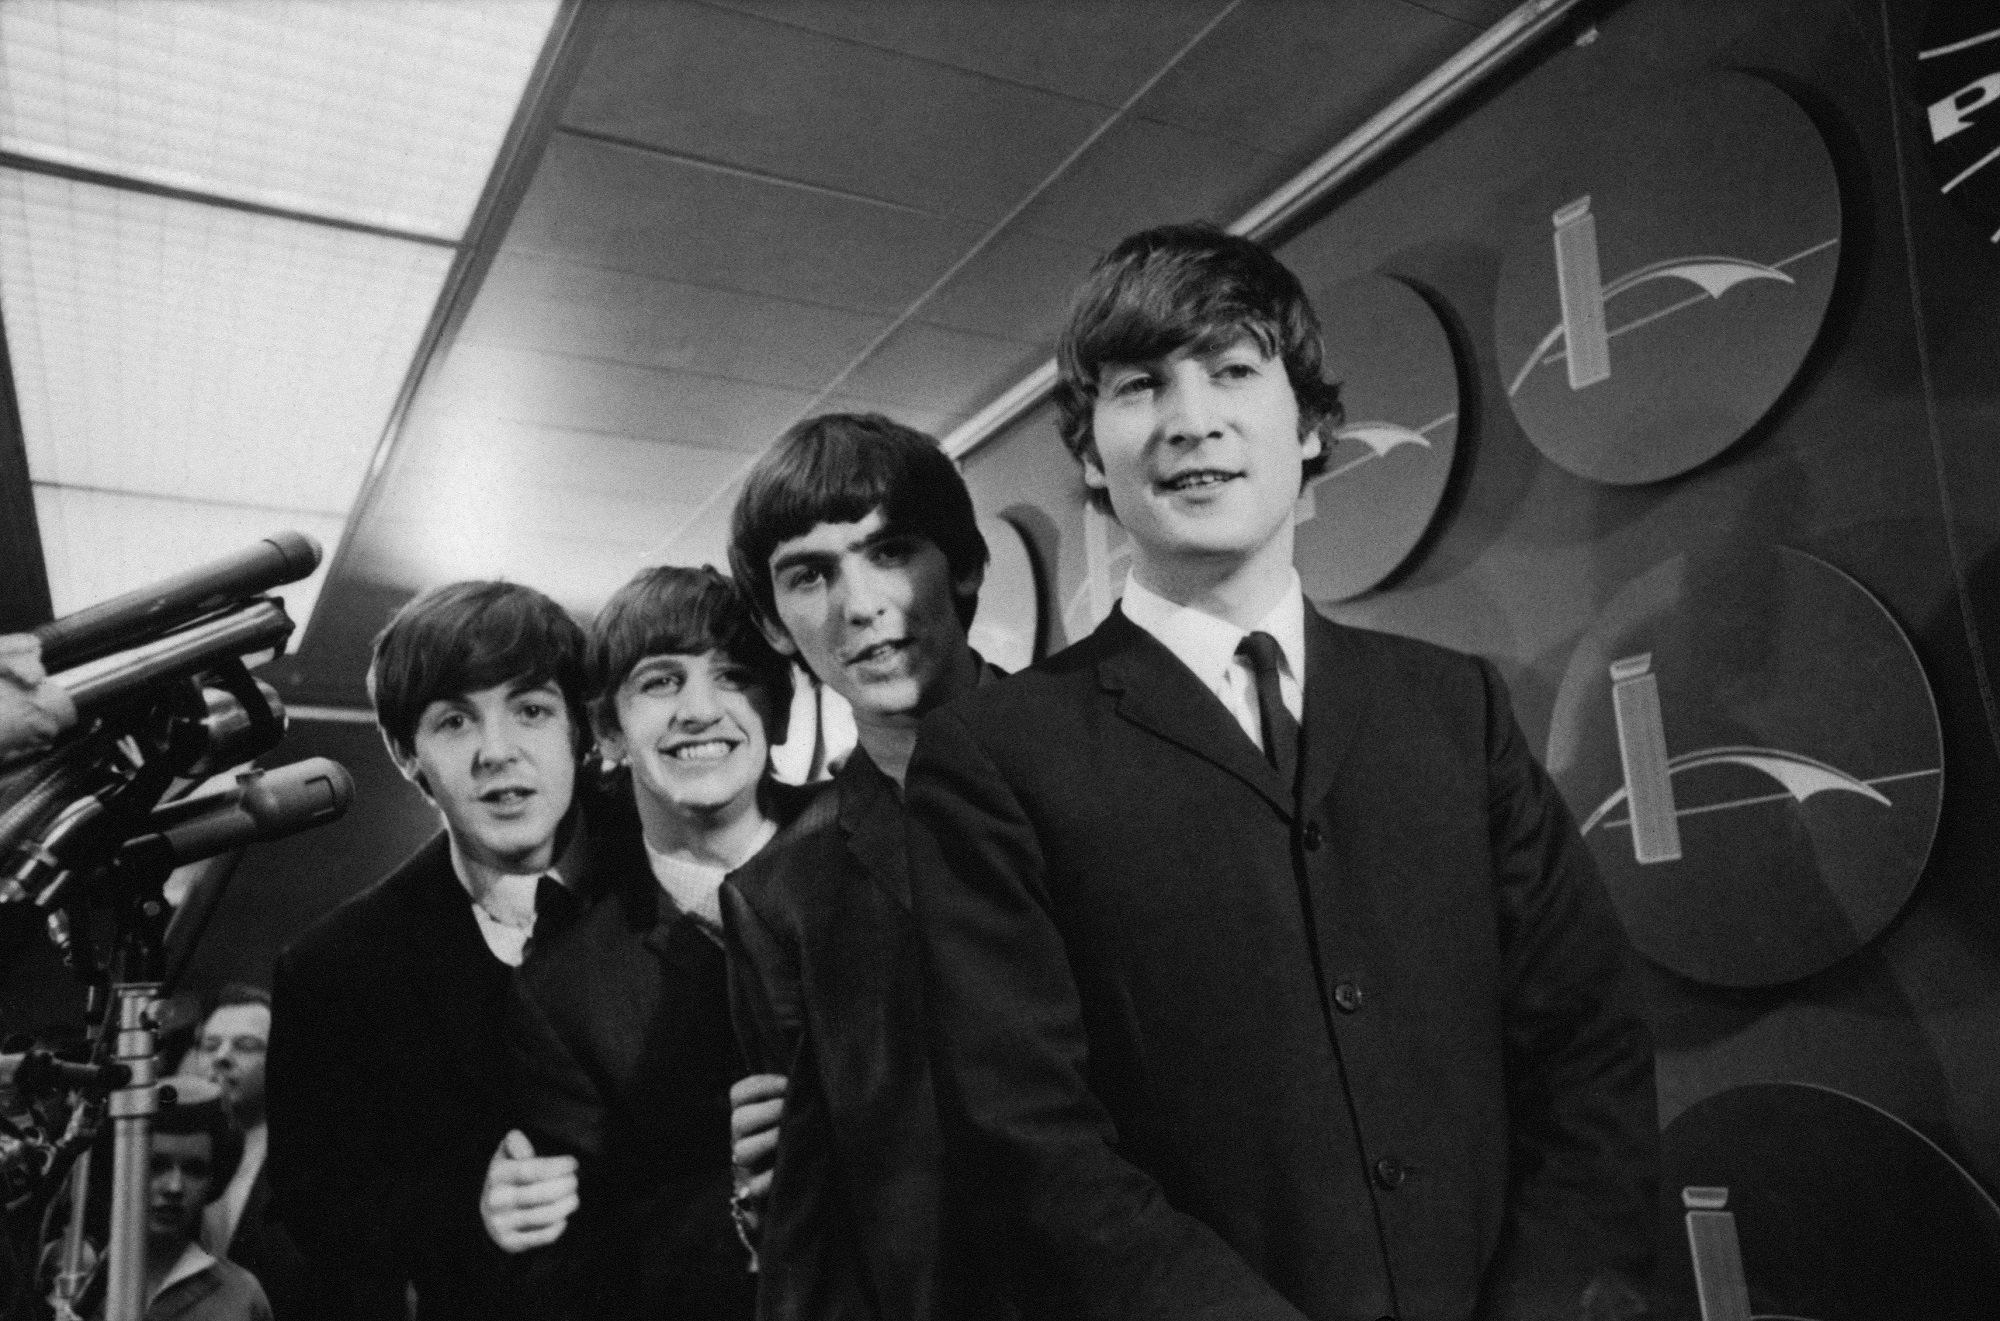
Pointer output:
1751, 748
1662, 283
1581, 340
1653, 815
1373, 440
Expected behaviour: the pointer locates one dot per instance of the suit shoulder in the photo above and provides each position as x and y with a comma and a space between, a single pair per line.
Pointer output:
808, 843
377, 918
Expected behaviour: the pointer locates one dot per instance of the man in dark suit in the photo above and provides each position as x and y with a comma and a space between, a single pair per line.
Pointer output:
239, 1224
1267, 973
620, 1035
857, 541
387, 1073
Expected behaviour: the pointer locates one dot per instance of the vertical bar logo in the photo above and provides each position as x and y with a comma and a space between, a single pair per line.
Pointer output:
1580, 285
1642, 751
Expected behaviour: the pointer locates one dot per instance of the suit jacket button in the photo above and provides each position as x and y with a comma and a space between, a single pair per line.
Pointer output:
1389, 1174
1348, 996
1312, 836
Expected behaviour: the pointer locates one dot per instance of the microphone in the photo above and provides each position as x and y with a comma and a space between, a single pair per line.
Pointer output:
122, 621
261, 805
39, 1071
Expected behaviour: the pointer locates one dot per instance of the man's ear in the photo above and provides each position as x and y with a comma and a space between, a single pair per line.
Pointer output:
966, 586
408, 766
780, 640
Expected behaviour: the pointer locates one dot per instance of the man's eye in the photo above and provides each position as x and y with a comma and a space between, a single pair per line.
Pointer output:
735, 679
1237, 371
660, 683
1131, 387
449, 724
802, 580
536, 711
893, 552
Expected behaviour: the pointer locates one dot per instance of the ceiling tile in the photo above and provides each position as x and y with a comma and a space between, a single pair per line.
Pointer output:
736, 90
587, 311
1143, 173
941, 371
554, 459
417, 553
1293, 77
1018, 287
587, 394
600, 204
102, 544
1101, 51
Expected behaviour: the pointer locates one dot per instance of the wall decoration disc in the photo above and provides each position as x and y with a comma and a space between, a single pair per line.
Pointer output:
1752, 752
1958, 82
1389, 459
1671, 277
1806, 1202
1008, 622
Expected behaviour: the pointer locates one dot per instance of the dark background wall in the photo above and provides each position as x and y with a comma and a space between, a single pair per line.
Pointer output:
1881, 459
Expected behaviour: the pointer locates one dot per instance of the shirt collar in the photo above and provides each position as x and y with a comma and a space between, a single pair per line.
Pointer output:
1207, 645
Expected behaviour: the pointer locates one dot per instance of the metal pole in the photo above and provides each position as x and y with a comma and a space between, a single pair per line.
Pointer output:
1450, 81
132, 1109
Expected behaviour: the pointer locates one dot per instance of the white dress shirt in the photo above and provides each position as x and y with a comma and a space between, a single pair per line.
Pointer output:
695, 887
1207, 646
506, 912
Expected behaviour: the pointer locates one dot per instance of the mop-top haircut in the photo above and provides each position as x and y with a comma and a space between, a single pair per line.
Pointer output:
1189, 287
673, 611
840, 468
464, 637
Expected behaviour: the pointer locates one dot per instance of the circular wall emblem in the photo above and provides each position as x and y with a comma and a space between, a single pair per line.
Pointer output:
1674, 275
1008, 621
1788, 1200
1753, 755
1958, 82
1389, 459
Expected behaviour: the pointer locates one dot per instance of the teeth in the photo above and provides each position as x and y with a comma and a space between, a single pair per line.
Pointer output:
1192, 479
711, 750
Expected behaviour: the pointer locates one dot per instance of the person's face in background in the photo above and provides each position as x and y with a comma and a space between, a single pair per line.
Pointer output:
230, 1052
179, 1177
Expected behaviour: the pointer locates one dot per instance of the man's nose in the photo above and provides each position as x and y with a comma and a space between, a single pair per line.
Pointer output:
866, 593
699, 703
1188, 407
496, 743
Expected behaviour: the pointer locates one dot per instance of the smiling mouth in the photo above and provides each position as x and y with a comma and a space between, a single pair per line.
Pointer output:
709, 749
1196, 479
877, 653
512, 796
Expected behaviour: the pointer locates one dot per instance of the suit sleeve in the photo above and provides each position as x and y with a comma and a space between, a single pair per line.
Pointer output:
1585, 1126
765, 1004
359, 1217
1023, 1127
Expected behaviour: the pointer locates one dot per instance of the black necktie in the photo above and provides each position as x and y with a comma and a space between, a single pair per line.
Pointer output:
554, 906
1280, 730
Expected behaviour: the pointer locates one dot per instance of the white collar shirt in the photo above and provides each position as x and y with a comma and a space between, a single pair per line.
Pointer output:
1207, 646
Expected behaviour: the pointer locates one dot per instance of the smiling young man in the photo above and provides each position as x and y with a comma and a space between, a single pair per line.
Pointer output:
387, 1069
616, 1184
856, 539
1269, 977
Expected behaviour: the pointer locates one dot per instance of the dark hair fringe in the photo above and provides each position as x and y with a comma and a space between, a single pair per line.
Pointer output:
210, 1116
467, 636
670, 610
1189, 287
839, 468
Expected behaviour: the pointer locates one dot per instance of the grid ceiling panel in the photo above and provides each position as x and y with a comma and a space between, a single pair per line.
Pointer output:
170, 348
100, 544
384, 112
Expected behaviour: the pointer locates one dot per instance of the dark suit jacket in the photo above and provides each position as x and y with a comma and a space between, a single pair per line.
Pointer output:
826, 989
387, 1077
262, 1246
1219, 1055
622, 1055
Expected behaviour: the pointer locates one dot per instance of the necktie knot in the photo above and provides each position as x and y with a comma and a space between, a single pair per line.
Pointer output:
1279, 727
554, 906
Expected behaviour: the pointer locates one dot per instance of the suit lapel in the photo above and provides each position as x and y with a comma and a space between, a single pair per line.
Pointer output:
452, 958
1335, 693
1158, 693
873, 827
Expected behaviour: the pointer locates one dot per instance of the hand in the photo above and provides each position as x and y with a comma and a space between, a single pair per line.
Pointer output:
528, 1199
32, 710
756, 1104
